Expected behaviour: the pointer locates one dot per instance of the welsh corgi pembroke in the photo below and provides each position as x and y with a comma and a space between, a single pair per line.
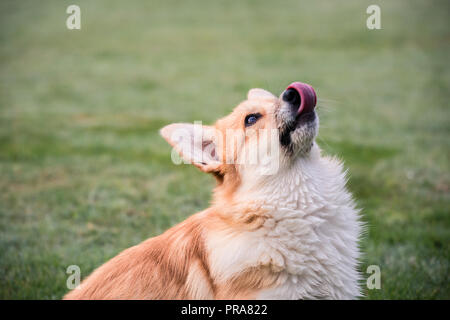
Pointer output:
281, 224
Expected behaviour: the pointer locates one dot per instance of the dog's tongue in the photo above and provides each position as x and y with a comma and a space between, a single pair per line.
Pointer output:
307, 95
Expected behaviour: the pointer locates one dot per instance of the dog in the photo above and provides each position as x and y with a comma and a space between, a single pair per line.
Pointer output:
283, 227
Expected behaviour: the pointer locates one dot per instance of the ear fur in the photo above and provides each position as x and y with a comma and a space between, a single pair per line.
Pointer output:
258, 93
195, 143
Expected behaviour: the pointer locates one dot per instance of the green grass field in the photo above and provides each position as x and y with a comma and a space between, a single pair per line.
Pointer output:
84, 173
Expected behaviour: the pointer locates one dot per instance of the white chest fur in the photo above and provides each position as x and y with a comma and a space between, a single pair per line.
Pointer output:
311, 235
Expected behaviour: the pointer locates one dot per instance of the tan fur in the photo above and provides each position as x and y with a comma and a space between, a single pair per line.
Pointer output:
175, 265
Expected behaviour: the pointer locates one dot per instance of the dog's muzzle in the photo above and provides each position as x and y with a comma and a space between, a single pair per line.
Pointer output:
301, 97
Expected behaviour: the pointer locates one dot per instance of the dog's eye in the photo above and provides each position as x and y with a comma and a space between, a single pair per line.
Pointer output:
251, 119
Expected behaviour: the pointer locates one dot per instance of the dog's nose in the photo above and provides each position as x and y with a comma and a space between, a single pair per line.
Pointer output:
301, 96
292, 97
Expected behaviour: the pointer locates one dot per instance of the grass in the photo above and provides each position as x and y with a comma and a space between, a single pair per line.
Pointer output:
84, 173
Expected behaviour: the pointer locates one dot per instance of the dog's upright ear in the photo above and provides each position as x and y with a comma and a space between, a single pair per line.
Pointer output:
258, 93
195, 143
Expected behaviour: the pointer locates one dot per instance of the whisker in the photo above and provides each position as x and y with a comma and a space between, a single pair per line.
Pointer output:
324, 142
327, 100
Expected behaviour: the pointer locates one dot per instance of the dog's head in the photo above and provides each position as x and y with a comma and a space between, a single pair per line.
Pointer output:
263, 135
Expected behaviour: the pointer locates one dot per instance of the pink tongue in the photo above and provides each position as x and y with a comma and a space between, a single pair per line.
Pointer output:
307, 95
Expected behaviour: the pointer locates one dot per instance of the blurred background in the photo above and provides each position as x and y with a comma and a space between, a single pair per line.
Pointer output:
84, 173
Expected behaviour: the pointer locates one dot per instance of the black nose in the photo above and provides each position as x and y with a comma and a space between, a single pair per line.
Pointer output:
292, 97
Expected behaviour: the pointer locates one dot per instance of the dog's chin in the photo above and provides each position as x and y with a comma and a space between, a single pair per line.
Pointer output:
297, 138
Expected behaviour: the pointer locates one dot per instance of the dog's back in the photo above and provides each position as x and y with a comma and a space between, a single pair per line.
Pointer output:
159, 268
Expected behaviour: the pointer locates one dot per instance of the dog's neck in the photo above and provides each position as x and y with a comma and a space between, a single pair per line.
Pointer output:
305, 185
